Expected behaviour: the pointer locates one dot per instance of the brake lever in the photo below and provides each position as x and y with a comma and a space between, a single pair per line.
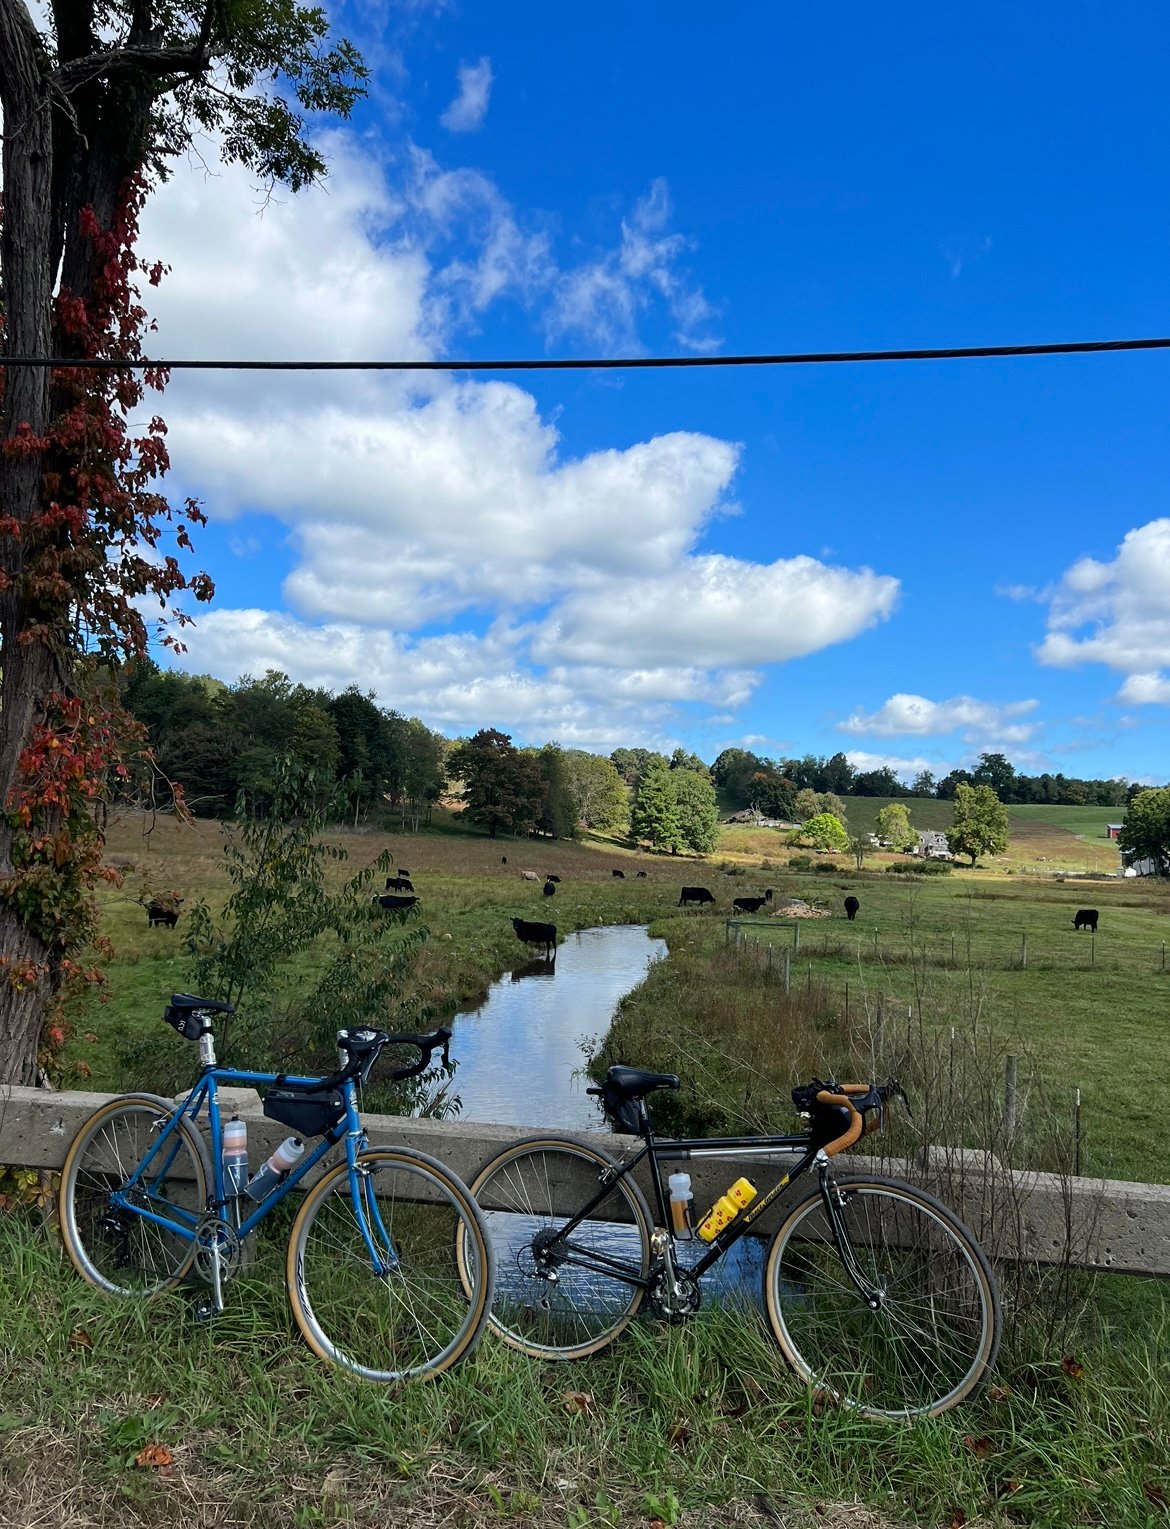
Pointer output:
894, 1090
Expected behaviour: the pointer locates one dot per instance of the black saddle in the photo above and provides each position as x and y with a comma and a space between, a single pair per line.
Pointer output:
635, 1083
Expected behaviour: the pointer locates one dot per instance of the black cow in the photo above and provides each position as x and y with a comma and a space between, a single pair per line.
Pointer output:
851, 908
537, 934
641, 876
550, 877
549, 888
503, 859
157, 914
694, 895
749, 904
402, 871
621, 875
768, 895
394, 904
1086, 918
399, 883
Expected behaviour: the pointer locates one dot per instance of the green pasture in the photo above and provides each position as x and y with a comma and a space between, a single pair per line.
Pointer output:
1042, 840
1090, 1009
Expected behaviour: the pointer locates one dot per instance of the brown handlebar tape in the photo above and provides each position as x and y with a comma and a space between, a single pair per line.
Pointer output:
853, 1134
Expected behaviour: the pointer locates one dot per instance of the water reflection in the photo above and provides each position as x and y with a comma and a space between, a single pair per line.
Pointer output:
519, 1050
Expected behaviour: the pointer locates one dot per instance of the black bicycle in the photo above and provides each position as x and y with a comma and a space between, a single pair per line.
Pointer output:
878, 1296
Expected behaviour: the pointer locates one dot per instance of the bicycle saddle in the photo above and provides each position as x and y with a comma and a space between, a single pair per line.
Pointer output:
636, 1083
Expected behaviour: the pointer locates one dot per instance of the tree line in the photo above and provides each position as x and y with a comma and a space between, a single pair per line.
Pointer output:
771, 785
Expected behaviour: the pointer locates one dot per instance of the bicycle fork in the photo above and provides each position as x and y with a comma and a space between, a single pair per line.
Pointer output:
832, 1198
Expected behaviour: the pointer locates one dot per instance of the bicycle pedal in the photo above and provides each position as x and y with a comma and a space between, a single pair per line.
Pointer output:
204, 1308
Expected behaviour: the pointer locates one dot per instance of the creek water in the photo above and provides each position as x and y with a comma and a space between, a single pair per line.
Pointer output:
520, 1057
519, 1051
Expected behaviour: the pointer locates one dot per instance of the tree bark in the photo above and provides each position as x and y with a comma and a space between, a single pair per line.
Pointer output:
29, 668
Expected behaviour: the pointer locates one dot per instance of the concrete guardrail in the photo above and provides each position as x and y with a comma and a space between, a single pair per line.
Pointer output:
1100, 1224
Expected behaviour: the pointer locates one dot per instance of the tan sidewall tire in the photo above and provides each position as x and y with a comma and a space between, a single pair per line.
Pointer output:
466, 1200
963, 1234
116, 1106
644, 1222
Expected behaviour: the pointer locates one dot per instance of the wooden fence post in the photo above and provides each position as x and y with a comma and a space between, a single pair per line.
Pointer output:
788, 971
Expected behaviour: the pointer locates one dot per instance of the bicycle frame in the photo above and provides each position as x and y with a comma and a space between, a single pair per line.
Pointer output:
686, 1149
185, 1224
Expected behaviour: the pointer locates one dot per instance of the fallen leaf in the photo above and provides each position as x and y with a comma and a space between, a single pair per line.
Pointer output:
1155, 1494
1072, 1367
79, 1338
679, 1434
998, 1393
958, 1519
154, 1457
577, 1401
978, 1446
657, 1523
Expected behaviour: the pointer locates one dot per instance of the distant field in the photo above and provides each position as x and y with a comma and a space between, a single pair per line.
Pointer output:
1041, 839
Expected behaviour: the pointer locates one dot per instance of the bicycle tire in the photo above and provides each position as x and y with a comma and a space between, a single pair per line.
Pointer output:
580, 1311
937, 1333
105, 1245
434, 1315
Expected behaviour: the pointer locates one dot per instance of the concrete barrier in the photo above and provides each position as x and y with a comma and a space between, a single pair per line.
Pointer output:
1101, 1224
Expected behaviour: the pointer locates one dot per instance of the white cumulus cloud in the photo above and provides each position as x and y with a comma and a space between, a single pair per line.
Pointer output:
907, 715
467, 111
1118, 613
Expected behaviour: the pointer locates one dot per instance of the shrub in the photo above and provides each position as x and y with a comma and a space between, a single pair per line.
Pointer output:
920, 868
800, 862
825, 865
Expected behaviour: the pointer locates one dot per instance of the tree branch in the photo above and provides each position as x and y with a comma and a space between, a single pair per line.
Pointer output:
154, 61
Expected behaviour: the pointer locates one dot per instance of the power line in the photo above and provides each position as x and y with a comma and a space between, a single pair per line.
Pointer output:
609, 363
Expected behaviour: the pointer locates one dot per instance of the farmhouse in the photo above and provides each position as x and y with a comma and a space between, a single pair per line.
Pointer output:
932, 845
1113, 830
754, 818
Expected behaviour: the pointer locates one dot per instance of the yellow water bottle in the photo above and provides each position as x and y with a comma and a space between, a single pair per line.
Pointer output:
726, 1208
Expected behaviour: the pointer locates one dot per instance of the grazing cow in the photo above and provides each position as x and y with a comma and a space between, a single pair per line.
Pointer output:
549, 889
748, 904
537, 934
503, 859
529, 876
1086, 918
851, 907
402, 871
694, 895
641, 876
399, 883
621, 875
550, 877
395, 904
768, 895
157, 914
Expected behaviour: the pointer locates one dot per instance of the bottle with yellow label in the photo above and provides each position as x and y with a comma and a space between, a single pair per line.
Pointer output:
726, 1208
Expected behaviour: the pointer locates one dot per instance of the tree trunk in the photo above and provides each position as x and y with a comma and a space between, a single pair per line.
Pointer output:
29, 668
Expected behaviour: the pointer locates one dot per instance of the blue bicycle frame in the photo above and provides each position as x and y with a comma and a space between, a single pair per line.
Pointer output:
185, 1224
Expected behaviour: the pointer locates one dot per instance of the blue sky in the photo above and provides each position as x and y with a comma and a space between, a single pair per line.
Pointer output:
913, 563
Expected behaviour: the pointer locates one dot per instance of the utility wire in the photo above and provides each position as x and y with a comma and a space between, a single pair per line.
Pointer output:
608, 363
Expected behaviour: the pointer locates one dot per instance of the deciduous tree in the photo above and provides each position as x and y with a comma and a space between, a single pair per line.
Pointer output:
97, 95
980, 825
893, 825
1145, 829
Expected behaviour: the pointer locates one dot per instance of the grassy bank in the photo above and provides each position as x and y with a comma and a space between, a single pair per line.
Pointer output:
693, 1425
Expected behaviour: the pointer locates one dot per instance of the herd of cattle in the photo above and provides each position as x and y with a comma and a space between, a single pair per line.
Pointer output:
400, 897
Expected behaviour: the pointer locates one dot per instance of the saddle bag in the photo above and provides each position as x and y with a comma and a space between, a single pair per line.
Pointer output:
623, 1113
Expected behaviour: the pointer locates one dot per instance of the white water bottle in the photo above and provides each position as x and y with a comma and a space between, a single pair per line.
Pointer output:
235, 1156
681, 1197
282, 1161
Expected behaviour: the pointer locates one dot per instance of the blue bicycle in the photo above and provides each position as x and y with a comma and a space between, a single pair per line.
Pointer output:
371, 1266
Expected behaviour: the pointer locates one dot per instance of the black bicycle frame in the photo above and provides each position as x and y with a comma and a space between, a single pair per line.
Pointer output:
683, 1150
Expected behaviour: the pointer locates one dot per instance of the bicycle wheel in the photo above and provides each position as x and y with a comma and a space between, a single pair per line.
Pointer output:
559, 1300
937, 1331
411, 1315
117, 1247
